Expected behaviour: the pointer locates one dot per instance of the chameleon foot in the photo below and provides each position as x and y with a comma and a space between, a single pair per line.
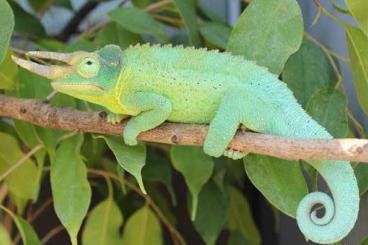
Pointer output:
234, 154
115, 118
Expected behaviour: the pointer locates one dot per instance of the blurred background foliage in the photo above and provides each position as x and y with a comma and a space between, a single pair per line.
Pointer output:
64, 187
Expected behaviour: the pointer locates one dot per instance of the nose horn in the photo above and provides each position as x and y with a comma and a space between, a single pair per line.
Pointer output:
63, 57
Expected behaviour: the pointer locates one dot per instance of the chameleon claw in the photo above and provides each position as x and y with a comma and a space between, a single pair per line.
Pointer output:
114, 118
234, 154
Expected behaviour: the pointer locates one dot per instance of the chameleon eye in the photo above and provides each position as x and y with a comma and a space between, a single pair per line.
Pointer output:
89, 67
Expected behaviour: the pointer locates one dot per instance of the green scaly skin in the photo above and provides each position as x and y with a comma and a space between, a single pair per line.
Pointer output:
154, 84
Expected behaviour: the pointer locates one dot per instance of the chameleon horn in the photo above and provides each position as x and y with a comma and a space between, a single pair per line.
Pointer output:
63, 57
51, 72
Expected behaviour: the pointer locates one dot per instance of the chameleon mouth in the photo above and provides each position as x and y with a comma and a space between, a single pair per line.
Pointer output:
75, 86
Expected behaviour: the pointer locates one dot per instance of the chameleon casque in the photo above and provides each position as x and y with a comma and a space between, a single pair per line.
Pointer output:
154, 84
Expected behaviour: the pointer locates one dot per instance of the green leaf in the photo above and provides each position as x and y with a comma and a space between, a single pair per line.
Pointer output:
22, 182
361, 173
8, 72
114, 34
240, 217
268, 31
215, 33
187, 9
158, 169
29, 236
359, 9
130, 158
105, 218
195, 166
307, 71
328, 107
26, 23
137, 21
213, 207
6, 27
358, 53
142, 228
236, 238
272, 177
5, 238
69, 184
364, 241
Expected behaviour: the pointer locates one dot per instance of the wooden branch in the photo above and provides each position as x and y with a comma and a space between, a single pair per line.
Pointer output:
41, 113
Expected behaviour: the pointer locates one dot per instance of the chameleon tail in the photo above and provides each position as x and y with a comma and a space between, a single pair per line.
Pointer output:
340, 213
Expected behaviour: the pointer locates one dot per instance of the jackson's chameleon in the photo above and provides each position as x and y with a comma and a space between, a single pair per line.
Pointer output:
154, 84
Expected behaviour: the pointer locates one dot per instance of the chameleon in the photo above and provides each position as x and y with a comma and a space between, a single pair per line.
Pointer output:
155, 83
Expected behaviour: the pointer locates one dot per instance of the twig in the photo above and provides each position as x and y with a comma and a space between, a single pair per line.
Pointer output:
45, 115
54, 231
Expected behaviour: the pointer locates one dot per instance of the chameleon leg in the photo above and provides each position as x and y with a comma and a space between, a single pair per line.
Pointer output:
154, 109
223, 127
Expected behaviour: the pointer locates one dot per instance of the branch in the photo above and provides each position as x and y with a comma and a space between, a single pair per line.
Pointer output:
40, 113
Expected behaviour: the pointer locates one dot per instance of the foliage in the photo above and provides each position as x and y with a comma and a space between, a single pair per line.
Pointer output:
98, 184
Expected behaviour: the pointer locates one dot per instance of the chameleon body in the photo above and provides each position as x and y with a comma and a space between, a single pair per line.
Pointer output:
154, 84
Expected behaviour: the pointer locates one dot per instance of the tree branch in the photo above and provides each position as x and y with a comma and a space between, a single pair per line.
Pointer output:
40, 113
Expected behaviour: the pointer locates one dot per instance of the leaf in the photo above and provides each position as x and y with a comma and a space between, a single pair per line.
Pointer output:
130, 158
158, 168
23, 181
328, 107
359, 9
105, 218
240, 217
358, 54
137, 21
268, 31
361, 173
114, 34
26, 23
142, 228
187, 9
6, 27
69, 184
364, 241
195, 166
216, 33
213, 207
8, 72
4, 236
307, 71
29, 236
272, 177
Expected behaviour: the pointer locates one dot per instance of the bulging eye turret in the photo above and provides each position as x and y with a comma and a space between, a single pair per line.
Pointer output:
88, 67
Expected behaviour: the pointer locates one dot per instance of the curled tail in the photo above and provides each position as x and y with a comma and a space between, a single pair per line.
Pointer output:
340, 213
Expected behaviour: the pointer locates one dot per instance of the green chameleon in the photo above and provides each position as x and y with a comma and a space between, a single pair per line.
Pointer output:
154, 84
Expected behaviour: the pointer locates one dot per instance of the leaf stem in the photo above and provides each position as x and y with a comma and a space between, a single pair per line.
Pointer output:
54, 231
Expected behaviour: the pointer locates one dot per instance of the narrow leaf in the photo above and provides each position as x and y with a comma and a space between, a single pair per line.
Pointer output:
105, 218
8, 72
130, 158
195, 166
142, 228
29, 236
240, 217
328, 107
272, 177
187, 9
5, 238
213, 207
137, 21
361, 173
307, 71
215, 33
115, 34
23, 181
358, 53
359, 9
69, 184
268, 31
6, 27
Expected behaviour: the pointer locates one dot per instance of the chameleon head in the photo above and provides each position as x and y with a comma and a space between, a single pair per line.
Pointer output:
85, 75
